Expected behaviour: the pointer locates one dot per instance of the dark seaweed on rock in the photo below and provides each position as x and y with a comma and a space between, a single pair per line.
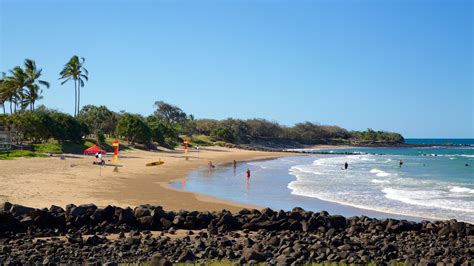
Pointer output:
78, 235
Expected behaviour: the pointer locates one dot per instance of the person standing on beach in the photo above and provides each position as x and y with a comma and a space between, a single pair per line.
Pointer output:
248, 174
235, 164
346, 165
401, 163
211, 165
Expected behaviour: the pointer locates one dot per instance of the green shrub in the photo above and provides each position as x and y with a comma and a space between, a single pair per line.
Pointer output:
133, 129
223, 134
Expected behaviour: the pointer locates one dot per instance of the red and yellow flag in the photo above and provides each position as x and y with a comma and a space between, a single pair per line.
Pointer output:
116, 145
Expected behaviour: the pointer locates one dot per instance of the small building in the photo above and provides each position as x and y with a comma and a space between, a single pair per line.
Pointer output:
5, 139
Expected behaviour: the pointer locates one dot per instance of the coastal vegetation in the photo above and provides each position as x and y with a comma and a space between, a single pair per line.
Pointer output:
167, 126
75, 70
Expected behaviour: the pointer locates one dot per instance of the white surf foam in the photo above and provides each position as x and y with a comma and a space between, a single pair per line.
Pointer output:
377, 181
379, 172
372, 183
425, 198
457, 189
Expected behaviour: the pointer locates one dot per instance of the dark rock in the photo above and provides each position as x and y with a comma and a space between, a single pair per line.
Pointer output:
186, 255
345, 247
81, 210
191, 222
445, 230
297, 214
74, 239
98, 216
95, 240
158, 213
268, 212
158, 260
17, 209
296, 226
251, 254
6, 206
310, 225
284, 260
145, 222
43, 218
336, 221
127, 217
274, 241
141, 211
27, 221
229, 221
388, 248
8, 222
244, 212
166, 223
132, 240
55, 209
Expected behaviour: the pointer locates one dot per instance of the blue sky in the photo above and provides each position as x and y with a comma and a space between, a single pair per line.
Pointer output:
404, 66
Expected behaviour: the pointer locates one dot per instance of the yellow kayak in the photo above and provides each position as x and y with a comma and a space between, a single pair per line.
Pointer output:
155, 163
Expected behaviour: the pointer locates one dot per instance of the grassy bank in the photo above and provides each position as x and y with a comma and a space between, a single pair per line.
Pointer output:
44, 149
13, 154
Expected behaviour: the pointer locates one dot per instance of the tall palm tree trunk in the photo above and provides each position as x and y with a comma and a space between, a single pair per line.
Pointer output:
78, 98
75, 97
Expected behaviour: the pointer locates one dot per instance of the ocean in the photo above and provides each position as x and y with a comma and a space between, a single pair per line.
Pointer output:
433, 183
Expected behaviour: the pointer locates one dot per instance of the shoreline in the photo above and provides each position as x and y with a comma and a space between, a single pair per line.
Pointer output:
42, 182
136, 184
333, 207
222, 184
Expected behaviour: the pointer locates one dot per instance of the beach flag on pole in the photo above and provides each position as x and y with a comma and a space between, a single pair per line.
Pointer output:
115, 144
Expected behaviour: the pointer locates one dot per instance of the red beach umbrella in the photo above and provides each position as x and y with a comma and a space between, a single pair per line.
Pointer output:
93, 150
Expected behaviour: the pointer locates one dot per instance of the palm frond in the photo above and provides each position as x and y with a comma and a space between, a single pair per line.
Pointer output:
44, 83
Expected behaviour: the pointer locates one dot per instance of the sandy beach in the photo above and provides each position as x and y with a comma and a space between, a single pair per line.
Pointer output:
42, 182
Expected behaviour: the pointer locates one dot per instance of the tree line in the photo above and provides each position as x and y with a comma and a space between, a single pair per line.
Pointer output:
22, 88
165, 126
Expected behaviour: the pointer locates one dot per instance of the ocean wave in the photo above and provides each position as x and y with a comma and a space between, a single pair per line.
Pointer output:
297, 188
449, 155
379, 173
374, 182
304, 169
424, 198
457, 189
378, 181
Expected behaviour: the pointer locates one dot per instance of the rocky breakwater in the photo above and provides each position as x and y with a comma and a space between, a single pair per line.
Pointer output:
86, 233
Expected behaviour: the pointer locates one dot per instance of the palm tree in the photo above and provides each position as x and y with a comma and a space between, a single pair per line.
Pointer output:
3, 97
13, 87
33, 83
75, 70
